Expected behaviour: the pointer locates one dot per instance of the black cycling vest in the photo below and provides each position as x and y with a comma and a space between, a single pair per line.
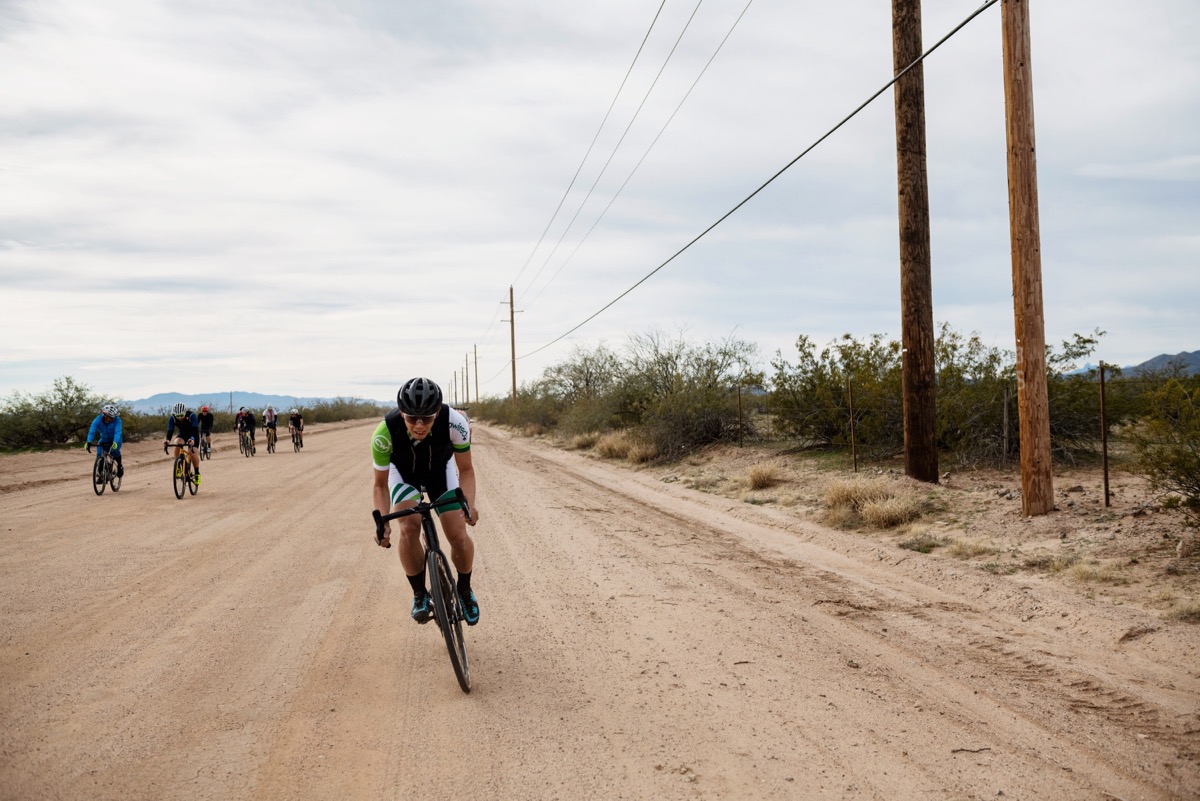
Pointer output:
420, 460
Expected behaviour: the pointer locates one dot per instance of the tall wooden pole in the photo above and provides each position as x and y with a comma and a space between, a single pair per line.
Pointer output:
919, 384
1033, 408
467, 379
512, 332
475, 349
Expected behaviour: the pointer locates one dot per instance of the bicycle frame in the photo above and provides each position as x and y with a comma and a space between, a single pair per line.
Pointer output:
446, 607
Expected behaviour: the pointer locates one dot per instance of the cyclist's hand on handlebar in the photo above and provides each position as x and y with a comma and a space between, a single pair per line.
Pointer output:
474, 517
113, 447
383, 536
89, 447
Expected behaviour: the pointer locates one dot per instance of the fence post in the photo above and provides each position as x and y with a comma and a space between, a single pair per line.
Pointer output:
853, 446
740, 424
1104, 437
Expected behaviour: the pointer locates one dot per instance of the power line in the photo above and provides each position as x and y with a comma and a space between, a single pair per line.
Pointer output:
637, 166
988, 4
617, 146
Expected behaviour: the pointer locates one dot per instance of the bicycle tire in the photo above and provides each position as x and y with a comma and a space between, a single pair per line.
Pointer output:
190, 474
295, 443
99, 480
114, 480
177, 475
449, 618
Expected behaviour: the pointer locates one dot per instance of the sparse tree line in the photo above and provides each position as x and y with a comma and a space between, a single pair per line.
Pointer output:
675, 397
63, 414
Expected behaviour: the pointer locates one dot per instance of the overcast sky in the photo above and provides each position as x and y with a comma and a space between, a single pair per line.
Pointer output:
326, 198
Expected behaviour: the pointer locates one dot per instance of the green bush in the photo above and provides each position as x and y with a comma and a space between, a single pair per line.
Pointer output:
1167, 441
57, 416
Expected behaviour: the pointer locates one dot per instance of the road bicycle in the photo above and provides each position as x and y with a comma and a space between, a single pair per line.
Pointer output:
295, 440
182, 474
104, 471
272, 437
246, 443
447, 606
205, 447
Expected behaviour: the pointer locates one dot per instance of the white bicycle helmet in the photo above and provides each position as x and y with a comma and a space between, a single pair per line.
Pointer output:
110, 410
179, 409
294, 411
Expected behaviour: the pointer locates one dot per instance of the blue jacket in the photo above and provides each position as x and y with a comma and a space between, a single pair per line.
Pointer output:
105, 434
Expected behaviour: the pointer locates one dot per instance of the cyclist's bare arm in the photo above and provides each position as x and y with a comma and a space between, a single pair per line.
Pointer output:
379, 493
466, 480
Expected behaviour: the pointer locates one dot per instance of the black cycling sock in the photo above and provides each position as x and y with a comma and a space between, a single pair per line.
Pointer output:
464, 583
418, 584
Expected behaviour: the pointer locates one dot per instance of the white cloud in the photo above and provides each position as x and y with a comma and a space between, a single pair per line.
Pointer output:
343, 193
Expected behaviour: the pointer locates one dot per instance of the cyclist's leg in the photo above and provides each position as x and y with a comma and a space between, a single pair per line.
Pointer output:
404, 496
117, 458
454, 523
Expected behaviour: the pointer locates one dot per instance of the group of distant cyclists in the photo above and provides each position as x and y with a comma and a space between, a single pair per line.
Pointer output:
184, 428
422, 445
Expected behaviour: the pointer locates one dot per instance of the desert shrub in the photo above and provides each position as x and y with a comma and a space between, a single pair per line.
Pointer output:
583, 442
762, 477
922, 542
59, 415
642, 453
614, 445
1167, 441
890, 512
853, 494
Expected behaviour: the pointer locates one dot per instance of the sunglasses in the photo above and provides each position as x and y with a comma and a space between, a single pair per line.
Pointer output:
426, 419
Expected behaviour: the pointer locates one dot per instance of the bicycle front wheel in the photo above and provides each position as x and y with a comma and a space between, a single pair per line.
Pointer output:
191, 478
178, 475
114, 480
449, 618
99, 480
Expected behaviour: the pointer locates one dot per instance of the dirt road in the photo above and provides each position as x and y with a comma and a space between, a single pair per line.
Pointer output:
638, 640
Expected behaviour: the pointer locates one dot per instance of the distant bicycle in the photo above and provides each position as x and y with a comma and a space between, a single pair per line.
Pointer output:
447, 608
272, 436
246, 443
205, 447
104, 472
182, 475
296, 441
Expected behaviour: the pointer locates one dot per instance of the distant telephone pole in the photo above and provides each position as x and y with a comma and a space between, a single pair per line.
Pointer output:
512, 333
919, 385
1033, 406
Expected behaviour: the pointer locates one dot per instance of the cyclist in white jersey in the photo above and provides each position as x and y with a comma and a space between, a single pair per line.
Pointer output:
425, 444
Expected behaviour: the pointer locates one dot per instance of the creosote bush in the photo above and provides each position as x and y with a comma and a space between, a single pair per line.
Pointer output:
762, 477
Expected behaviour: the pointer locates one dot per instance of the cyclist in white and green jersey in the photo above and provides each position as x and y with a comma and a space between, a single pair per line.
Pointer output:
425, 444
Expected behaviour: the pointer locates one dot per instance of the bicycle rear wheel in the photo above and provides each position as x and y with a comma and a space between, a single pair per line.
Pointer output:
449, 619
180, 479
99, 480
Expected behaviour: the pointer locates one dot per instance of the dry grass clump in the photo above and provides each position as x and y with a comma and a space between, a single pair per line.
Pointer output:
614, 445
857, 501
969, 549
1052, 563
1187, 613
890, 512
532, 430
1094, 573
583, 442
853, 493
642, 453
922, 541
763, 477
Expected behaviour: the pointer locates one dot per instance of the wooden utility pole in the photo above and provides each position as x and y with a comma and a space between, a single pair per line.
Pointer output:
466, 380
1033, 407
475, 349
512, 333
916, 283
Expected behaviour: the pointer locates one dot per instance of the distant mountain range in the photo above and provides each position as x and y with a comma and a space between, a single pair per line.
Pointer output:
1189, 361
228, 401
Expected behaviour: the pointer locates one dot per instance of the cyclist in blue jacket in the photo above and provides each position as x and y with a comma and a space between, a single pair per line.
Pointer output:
106, 433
